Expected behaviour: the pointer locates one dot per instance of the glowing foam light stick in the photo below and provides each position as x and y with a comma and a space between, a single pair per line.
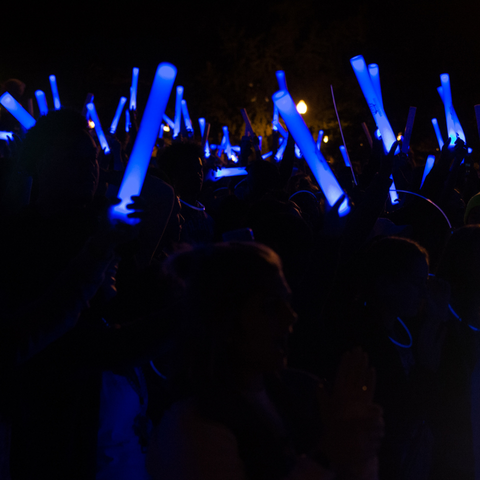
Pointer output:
453, 125
127, 120
437, 133
169, 121
317, 163
282, 82
408, 129
366, 84
393, 192
227, 146
266, 155
428, 166
23, 117
6, 135
344, 153
230, 172
319, 138
178, 112
116, 118
56, 97
275, 118
147, 135
98, 128
186, 116
206, 149
375, 76
42, 102
281, 150
133, 89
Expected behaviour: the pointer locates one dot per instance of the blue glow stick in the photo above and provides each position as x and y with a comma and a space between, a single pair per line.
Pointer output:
127, 120
169, 121
437, 133
98, 127
298, 152
178, 112
6, 135
236, 148
282, 131
393, 192
42, 102
116, 118
88, 99
260, 142
56, 97
469, 150
428, 166
282, 82
23, 117
375, 105
230, 172
147, 135
202, 123
453, 125
161, 131
186, 116
344, 153
228, 146
133, 89
375, 77
319, 138
456, 122
266, 155
408, 129
275, 118
281, 150
316, 161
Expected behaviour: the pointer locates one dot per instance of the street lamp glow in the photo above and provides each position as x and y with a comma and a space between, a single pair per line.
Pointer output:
325, 139
301, 107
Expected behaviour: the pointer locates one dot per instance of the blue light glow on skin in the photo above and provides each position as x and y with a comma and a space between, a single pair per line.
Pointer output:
428, 166
133, 89
375, 105
178, 112
56, 97
453, 125
408, 129
6, 135
147, 135
42, 102
320, 138
393, 192
282, 82
98, 127
116, 118
23, 117
344, 153
186, 116
317, 163
375, 76
437, 133
230, 172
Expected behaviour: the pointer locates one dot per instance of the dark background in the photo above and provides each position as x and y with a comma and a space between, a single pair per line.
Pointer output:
227, 54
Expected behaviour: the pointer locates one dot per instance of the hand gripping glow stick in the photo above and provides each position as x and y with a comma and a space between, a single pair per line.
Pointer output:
375, 76
23, 117
282, 82
343, 151
408, 129
147, 135
178, 112
381, 120
186, 116
98, 128
229, 172
42, 102
428, 166
133, 89
317, 163
56, 98
437, 133
456, 122
453, 125
319, 138
116, 118
6, 135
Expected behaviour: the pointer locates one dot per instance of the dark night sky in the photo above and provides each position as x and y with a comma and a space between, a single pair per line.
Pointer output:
94, 47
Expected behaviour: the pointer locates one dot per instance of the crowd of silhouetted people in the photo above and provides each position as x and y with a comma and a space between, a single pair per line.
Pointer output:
155, 347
